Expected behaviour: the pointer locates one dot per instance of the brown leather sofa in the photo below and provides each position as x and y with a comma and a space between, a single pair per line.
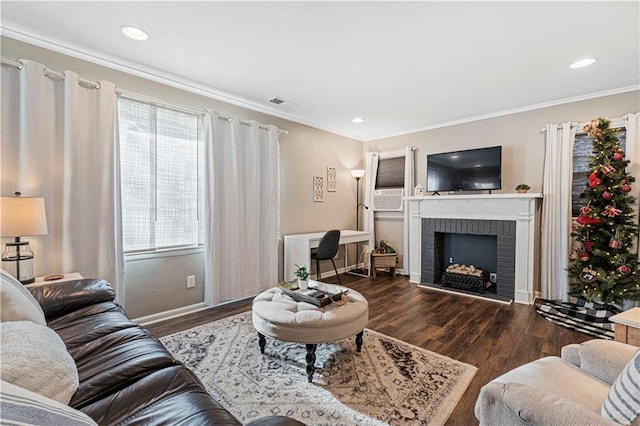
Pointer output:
127, 377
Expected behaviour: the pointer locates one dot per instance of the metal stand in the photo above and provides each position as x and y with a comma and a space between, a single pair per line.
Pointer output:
360, 272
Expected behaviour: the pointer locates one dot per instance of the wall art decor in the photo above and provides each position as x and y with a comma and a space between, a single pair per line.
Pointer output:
331, 179
318, 189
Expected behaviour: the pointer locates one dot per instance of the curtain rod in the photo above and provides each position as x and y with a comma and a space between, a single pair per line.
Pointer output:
159, 102
92, 84
51, 73
615, 122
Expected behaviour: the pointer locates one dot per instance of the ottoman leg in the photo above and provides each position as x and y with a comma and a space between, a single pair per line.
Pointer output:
359, 341
311, 361
262, 342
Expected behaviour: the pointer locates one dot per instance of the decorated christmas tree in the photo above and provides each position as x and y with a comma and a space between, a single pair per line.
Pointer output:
604, 267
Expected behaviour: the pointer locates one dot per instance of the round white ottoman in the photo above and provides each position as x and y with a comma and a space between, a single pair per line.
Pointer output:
279, 316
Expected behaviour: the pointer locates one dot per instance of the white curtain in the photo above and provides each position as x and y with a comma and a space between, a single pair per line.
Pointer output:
59, 141
632, 125
556, 210
371, 170
241, 204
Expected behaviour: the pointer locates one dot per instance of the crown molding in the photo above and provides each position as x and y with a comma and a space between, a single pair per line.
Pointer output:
563, 101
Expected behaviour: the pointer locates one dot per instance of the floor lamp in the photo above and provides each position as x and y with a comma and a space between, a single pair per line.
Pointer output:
357, 174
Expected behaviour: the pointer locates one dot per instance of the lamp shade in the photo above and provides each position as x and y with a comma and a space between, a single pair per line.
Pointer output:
20, 217
357, 173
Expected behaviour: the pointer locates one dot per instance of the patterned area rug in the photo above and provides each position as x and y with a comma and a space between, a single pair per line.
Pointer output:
581, 316
389, 382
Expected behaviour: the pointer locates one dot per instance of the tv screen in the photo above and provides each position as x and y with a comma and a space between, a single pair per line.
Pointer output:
470, 170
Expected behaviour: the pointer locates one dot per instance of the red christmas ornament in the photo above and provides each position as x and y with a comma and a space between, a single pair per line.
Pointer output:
615, 244
594, 180
588, 245
585, 210
584, 257
625, 188
618, 156
607, 195
623, 269
588, 220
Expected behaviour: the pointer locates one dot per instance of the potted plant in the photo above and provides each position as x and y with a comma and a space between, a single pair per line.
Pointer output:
523, 188
302, 273
384, 247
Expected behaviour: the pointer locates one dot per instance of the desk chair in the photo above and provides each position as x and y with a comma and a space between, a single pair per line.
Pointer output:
327, 250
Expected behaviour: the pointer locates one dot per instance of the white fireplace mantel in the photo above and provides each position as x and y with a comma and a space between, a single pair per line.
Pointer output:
521, 208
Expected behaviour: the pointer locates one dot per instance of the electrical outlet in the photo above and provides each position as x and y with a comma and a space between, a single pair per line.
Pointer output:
493, 277
191, 281
451, 261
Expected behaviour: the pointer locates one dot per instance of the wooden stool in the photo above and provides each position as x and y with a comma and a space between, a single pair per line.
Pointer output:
384, 260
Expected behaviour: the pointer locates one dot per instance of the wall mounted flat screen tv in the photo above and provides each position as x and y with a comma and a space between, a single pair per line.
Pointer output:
470, 170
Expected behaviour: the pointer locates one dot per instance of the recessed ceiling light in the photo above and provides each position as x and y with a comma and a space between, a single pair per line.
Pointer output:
582, 63
134, 33
358, 120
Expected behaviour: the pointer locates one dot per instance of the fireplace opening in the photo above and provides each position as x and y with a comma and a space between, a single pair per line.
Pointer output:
479, 252
465, 249
487, 244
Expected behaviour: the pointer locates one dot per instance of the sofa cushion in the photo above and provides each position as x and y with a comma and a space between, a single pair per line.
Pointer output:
170, 395
34, 357
16, 301
552, 374
116, 360
623, 401
21, 406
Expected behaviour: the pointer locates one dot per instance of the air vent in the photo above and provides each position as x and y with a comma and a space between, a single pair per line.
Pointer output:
276, 100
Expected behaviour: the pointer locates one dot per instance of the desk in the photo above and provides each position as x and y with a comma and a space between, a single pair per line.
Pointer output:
297, 248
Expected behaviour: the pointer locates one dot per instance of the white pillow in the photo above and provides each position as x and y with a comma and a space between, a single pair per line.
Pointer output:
17, 303
21, 406
623, 402
35, 357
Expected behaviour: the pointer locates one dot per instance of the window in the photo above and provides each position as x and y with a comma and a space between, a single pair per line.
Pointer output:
161, 177
581, 152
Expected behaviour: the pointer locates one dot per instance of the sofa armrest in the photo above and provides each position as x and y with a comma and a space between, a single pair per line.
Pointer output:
61, 298
519, 404
603, 359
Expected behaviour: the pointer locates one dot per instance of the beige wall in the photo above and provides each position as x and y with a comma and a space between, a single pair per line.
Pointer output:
157, 285
519, 134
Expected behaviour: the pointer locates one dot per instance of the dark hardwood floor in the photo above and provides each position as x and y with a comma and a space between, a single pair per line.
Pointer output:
492, 336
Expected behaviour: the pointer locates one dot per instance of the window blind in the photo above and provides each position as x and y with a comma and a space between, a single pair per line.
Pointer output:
161, 176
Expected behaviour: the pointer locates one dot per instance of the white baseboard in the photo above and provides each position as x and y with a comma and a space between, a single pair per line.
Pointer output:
343, 270
178, 312
173, 313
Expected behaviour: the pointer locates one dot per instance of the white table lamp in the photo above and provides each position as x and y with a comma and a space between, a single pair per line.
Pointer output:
20, 217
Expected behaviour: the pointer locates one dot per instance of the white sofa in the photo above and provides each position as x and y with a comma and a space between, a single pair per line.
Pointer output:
566, 390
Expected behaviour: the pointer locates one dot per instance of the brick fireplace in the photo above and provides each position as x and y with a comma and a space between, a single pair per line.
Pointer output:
433, 231
512, 218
